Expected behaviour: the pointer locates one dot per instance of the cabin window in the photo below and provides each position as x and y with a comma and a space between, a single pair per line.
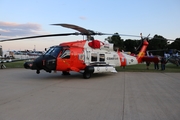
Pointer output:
101, 57
65, 54
93, 57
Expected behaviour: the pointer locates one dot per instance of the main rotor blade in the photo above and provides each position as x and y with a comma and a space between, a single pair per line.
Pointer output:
99, 33
89, 32
162, 39
75, 27
39, 36
130, 35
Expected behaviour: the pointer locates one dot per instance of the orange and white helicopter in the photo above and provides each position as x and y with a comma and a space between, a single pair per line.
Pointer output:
85, 56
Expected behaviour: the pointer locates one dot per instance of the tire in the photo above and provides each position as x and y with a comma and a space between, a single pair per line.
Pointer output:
86, 75
65, 73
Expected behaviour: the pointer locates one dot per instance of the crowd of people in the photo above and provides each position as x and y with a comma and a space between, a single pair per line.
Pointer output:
162, 61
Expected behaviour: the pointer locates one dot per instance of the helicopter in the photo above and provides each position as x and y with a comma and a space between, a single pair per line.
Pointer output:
173, 57
84, 56
170, 55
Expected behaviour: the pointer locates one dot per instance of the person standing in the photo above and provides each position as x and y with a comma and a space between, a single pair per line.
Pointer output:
163, 62
156, 65
147, 65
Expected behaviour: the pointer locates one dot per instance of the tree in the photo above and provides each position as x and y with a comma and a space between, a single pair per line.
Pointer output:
175, 44
117, 41
157, 43
131, 45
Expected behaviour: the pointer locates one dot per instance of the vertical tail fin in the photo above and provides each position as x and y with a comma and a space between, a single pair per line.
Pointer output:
142, 51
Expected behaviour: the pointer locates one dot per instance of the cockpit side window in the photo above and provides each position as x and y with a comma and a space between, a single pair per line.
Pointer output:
65, 54
53, 51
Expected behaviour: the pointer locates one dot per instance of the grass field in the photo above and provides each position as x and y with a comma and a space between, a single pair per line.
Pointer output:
18, 64
132, 68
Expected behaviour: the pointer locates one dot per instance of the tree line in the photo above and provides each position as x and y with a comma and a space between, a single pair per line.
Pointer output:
157, 45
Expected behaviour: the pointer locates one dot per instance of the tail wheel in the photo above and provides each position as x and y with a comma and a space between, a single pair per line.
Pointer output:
87, 75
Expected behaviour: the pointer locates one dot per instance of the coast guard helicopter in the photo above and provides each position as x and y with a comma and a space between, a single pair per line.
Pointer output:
84, 56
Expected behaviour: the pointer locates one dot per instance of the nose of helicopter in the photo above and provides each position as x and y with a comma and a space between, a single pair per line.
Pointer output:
44, 62
34, 65
27, 65
30, 65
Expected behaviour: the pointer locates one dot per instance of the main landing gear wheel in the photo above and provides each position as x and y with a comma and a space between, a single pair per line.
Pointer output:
87, 75
65, 73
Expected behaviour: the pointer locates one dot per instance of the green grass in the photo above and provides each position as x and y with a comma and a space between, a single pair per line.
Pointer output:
18, 64
131, 68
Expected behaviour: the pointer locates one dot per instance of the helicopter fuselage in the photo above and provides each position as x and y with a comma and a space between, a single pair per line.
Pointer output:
81, 55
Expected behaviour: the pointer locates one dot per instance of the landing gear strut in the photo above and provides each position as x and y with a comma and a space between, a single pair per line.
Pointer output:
37, 71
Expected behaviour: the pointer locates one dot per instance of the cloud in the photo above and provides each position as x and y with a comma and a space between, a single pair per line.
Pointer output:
11, 29
82, 18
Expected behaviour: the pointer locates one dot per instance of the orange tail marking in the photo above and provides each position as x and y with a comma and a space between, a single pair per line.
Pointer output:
122, 59
142, 51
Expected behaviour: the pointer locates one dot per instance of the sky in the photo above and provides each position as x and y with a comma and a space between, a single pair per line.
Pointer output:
20, 18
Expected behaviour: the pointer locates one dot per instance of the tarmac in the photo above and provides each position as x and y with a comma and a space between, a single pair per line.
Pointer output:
25, 95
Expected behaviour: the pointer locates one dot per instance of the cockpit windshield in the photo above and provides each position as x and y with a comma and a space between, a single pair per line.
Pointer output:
54, 51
